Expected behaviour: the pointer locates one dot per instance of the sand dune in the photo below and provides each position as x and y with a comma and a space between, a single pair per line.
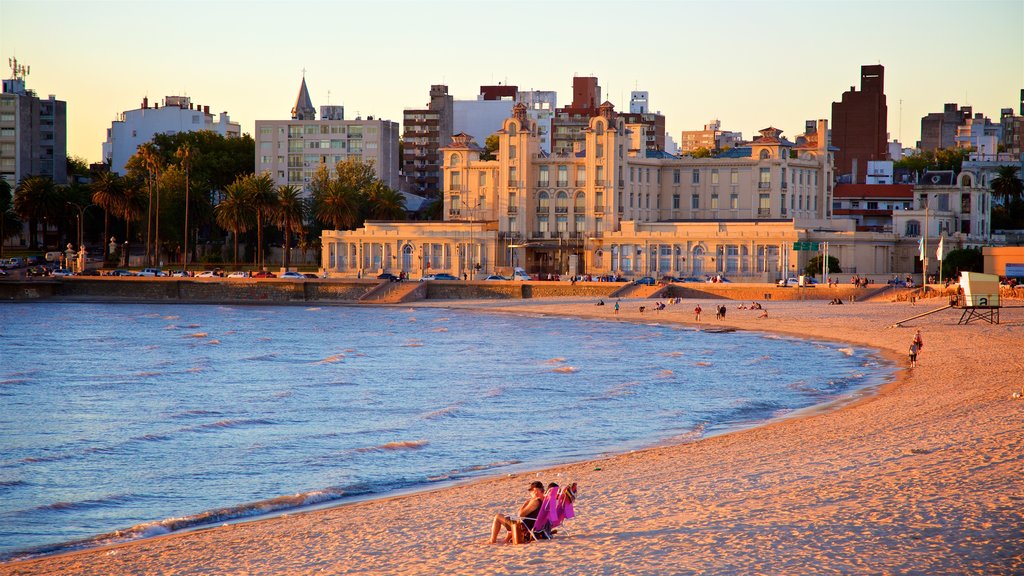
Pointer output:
923, 477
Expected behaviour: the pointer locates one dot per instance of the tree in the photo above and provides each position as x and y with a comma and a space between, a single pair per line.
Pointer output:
148, 160
701, 152
434, 210
10, 224
262, 197
1008, 190
130, 209
288, 213
813, 267
1006, 185
184, 153
107, 193
941, 159
38, 198
234, 213
77, 166
384, 202
962, 260
491, 147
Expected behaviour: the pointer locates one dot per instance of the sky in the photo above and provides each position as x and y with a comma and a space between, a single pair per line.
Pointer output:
750, 64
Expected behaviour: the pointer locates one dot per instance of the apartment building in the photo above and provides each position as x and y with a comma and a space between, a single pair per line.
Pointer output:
292, 151
712, 137
177, 114
424, 132
859, 124
938, 129
33, 132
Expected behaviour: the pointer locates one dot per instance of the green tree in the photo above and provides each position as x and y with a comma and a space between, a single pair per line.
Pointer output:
289, 213
234, 213
107, 193
434, 210
263, 198
962, 260
490, 151
384, 202
701, 152
10, 224
1006, 186
38, 198
77, 166
130, 208
813, 267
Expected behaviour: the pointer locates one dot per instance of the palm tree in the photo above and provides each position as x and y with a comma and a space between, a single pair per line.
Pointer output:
151, 160
289, 213
263, 200
235, 213
10, 224
384, 202
107, 192
184, 154
35, 198
1006, 185
129, 208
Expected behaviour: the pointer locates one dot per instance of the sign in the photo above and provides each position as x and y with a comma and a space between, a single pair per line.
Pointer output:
1014, 271
806, 246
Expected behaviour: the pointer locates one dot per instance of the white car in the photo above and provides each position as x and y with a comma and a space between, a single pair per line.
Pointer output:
207, 274
293, 275
238, 274
496, 277
61, 272
150, 272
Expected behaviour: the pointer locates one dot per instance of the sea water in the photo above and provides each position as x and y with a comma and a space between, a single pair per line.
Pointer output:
120, 421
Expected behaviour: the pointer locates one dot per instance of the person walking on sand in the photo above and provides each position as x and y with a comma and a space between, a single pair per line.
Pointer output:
696, 313
616, 306
913, 354
918, 341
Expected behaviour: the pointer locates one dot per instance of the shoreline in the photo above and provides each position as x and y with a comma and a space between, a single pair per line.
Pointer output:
414, 552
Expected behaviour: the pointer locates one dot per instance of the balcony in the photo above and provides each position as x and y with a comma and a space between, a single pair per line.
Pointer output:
561, 209
513, 209
543, 183
622, 183
512, 235
581, 183
599, 183
784, 185
599, 209
454, 212
764, 185
514, 184
563, 184
764, 212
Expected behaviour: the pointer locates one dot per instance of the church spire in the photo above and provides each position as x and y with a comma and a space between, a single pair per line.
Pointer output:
303, 109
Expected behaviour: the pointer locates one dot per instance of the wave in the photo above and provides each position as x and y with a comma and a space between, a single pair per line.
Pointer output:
412, 343
554, 361
12, 483
172, 317
195, 413
269, 356
198, 335
446, 411
565, 370
147, 374
214, 341
846, 351
618, 391
12, 381
170, 327
228, 423
441, 329
397, 445
666, 373
452, 474
493, 392
703, 364
314, 309
81, 504
333, 359
675, 354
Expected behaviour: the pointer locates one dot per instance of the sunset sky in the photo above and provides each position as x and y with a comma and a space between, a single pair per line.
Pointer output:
750, 64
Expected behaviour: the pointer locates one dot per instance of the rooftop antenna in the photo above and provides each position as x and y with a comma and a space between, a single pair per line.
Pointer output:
328, 97
18, 71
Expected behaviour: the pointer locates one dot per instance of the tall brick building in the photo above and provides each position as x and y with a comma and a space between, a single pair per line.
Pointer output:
859, 126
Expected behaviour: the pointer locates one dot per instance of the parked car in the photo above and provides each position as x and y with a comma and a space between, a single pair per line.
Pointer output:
36, 271
15, 262
439, 277
207, 274
497, 277
691, 279
120, 272
520, 274
89, 272
178, 274
646, 281
808, 281
61, 272
238, 274
294, 275
263, 274
310, 275
151, 272
388, 276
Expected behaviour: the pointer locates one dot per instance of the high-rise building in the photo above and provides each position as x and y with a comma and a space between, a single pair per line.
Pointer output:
484, 116
570, 122
178, 114
652, 123
1013, 128
938, 129
424, 131
859, 124
291, 151
33, 131
980, 134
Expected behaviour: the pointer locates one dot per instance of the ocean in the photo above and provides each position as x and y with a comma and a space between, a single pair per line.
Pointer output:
121, 421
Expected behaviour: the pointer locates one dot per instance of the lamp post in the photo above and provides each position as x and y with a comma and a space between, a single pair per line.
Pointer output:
80, 217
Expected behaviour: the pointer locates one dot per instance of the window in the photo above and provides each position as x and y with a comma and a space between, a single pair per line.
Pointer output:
563, 176
871, 205
783, 203
542, 179
599, 175
764, 205
456, 180
580, 223
695, 201
581, 176
562, 222
913, 228
765, 177
266, 131
714, 201
511, 152
543, 224
765, 155
734, 176
456, 204
561, 202
734, 201
512, 199
675, 176
599, 149
482, 179
580, 204
714, 176
543, 202
512, 227
632, 173
675, 201
696, 176
599, 200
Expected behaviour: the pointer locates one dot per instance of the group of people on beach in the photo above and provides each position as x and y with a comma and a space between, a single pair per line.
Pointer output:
915, 349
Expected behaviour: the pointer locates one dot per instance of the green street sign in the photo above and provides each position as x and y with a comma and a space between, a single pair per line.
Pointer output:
811, 246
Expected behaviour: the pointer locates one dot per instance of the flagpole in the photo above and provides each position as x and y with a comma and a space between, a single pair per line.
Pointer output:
924, 247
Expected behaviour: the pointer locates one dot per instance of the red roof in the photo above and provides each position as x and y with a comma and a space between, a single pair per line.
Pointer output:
903, 191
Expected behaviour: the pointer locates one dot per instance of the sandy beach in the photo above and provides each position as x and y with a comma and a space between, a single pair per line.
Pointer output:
923, 477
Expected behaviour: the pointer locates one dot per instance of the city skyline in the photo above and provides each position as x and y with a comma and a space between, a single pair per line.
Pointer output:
778, 64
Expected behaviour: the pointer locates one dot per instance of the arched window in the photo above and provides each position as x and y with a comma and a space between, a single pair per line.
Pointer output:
966, 181
543, 202
512, 127
765, 154
562, 202
599, 128
454, 160
580, 203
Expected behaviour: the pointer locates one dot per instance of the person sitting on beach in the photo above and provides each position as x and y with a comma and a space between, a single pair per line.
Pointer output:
600, 302
755, 306
642, 308
763, 314
527, 515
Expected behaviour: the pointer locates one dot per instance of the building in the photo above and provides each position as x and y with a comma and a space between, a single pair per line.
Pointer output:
33, 132
484, 116
570, 122
859, 123
980, 134
651, 125
292, 151
424, 131
872, 205
712, 137
607, 209
879, 172
938, 129
177, 114
1013, 129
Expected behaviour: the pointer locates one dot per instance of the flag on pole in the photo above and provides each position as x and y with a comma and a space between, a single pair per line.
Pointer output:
938, 253
920, 248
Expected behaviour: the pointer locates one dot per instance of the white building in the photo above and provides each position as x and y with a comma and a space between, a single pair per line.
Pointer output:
178, 114
485, 116
291, 151
879, 172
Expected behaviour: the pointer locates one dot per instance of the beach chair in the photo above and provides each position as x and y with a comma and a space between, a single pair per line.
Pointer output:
556, 508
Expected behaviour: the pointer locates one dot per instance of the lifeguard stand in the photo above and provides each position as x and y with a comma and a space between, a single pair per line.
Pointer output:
980, 299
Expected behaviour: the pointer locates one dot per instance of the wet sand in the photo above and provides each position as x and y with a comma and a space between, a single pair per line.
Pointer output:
922, 477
